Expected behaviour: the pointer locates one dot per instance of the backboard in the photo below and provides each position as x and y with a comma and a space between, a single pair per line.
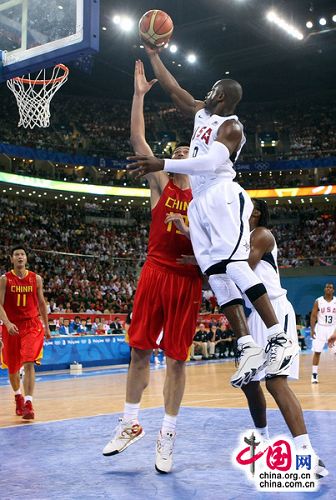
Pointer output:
36, 34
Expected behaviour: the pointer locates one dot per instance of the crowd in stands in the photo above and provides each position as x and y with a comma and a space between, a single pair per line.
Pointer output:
100, 126
90, 265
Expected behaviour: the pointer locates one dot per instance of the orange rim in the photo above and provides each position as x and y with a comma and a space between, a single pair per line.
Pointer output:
45, 82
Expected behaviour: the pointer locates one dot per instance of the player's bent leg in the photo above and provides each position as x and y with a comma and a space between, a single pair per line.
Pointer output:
292, 412
129, 431
173, 393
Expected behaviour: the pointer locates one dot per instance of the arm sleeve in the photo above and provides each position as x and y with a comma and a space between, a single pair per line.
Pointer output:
213, 162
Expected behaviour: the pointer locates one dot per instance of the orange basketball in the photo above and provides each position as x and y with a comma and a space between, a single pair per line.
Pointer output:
155, 28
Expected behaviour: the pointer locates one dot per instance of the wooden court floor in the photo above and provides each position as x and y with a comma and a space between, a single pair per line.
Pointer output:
207, 386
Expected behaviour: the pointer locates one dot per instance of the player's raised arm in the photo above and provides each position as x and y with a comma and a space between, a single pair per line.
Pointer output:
184, 101
157, 181
141, 87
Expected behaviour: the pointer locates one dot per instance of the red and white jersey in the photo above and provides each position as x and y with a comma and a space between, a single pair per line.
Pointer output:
326, 315
166, 243
21, 301
205, 133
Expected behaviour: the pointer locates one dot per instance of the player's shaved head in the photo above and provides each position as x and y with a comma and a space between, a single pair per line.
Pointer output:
232, 91
224, 97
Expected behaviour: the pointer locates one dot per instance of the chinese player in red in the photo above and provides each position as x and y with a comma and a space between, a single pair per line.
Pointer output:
167, 299
21, 305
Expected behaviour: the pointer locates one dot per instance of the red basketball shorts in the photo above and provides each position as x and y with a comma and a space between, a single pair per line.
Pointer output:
165, 311
24, 347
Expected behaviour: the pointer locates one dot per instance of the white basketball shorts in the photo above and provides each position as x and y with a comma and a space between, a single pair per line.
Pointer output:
323, 332
219, 224
286, 316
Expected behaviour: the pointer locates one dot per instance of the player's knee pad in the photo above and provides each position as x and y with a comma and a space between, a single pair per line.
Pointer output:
224, 289
255, 292
242, 275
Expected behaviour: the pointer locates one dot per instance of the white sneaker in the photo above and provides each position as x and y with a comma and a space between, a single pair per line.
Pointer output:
320, 469
314, 378
156, 360
252, 360
164, 452
126, 433
281, 352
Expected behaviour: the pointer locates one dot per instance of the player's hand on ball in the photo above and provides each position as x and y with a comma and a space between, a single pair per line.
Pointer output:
151, 51
141, 85
11, 328
143, 165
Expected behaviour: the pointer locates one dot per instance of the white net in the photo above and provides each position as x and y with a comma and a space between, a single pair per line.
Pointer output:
33, 95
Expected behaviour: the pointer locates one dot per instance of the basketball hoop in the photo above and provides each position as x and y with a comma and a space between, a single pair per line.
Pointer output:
33, 95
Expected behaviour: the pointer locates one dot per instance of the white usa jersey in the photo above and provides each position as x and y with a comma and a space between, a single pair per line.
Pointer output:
326, 314
205, 133
268, 272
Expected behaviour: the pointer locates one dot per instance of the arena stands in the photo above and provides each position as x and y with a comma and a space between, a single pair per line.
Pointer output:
91, 263
101, 127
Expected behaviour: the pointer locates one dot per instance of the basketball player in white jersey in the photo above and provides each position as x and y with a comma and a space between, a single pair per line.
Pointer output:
322, 325
263, 259
219, 217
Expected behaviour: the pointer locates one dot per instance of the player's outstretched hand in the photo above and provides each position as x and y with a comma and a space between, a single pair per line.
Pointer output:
141, 85
143, 165
12, 329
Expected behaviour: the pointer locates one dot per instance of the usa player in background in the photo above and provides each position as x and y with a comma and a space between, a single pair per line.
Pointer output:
21, 305
322, 325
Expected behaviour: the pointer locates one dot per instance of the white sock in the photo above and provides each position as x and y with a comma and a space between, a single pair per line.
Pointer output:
168, 424
302, 442
263, 431
245, 339
274, 330
315, 369
17, 392
28, 398
131, 411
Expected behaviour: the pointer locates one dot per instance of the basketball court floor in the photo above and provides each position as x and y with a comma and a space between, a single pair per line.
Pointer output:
59, 455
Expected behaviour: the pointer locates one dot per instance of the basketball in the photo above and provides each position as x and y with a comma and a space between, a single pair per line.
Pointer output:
155, 28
